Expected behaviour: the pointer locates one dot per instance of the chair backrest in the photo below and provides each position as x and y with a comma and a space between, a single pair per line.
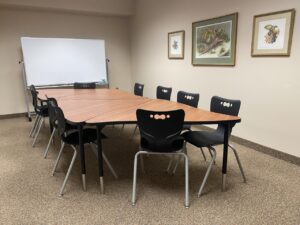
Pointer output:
159, 127
138, 89
187, 98
225, 106
34, 95
52, 104
61, 121
91, 85
163, 92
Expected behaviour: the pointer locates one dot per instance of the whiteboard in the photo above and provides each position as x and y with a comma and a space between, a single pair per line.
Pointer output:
62, 61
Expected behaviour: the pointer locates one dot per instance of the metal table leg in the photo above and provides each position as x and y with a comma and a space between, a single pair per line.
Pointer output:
82, 156
100, 158
225, 156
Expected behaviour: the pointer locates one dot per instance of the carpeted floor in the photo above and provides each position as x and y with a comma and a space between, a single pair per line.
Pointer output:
29, 194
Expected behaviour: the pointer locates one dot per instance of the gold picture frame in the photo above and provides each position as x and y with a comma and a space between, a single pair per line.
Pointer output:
176, 43
272, 33
214, 41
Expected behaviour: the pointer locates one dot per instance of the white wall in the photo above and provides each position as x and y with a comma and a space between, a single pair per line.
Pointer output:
15, 23
269, 88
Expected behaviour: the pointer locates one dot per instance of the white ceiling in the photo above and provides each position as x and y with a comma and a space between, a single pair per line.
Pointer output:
103, 7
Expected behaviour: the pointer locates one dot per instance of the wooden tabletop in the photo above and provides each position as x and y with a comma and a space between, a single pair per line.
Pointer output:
107, 106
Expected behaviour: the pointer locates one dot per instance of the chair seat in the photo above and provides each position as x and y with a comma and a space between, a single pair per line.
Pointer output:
162, 145
203, 138
89, 135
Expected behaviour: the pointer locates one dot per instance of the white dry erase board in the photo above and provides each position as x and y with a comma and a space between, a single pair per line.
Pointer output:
63, 61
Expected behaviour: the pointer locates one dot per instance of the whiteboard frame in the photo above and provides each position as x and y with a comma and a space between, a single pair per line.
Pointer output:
62, 84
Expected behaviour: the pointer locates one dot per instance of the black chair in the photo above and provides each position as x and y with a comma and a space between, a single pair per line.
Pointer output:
190, 99
41, 110
90, 85
70, 137
208, 139
52, 103
138, 89
160, 134
163, 93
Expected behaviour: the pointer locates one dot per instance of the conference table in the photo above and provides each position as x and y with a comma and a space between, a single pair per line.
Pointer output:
100, 107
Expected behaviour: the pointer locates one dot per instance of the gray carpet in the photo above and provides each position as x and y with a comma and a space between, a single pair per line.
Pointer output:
29, 194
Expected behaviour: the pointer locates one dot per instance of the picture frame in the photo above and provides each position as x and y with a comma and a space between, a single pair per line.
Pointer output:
214, 41
272, 33
176, 44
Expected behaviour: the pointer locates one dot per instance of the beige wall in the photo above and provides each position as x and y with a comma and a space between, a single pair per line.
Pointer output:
111, 7
269, 88
16, 23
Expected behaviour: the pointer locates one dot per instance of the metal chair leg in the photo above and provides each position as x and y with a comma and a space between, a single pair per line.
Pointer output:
178, 159
204, 156
69, 171
133, 200
182, 154
238, 161
176, 165
170, 164
58, 158
209, 149
34, 126
109, 166
49, 143
93, 146
214, 154
38, 131
186, 162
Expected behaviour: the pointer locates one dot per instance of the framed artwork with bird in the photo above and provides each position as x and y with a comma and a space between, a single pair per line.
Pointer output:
272, 33
176, 44
214, 41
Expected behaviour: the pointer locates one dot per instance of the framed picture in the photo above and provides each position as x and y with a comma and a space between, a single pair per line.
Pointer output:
176, 45
272, 33
214, 41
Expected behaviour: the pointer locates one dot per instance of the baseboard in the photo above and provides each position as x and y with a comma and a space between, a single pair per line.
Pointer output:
260, 148
11, 116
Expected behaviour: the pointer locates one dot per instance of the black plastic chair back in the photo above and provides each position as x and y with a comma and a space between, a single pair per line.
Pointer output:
52, 104
61, 121
138, 89
90, 85
225, 106
160, 129
34, 95
187, 98
163, 93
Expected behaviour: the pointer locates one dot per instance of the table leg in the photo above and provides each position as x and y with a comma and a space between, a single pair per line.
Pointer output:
82, 156
100, 158
225, 156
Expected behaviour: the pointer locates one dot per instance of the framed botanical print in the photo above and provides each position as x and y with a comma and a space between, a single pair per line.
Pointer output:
214, 41
176, 44
272, 33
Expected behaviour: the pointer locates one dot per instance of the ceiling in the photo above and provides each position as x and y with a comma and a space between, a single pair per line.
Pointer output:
102, 7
